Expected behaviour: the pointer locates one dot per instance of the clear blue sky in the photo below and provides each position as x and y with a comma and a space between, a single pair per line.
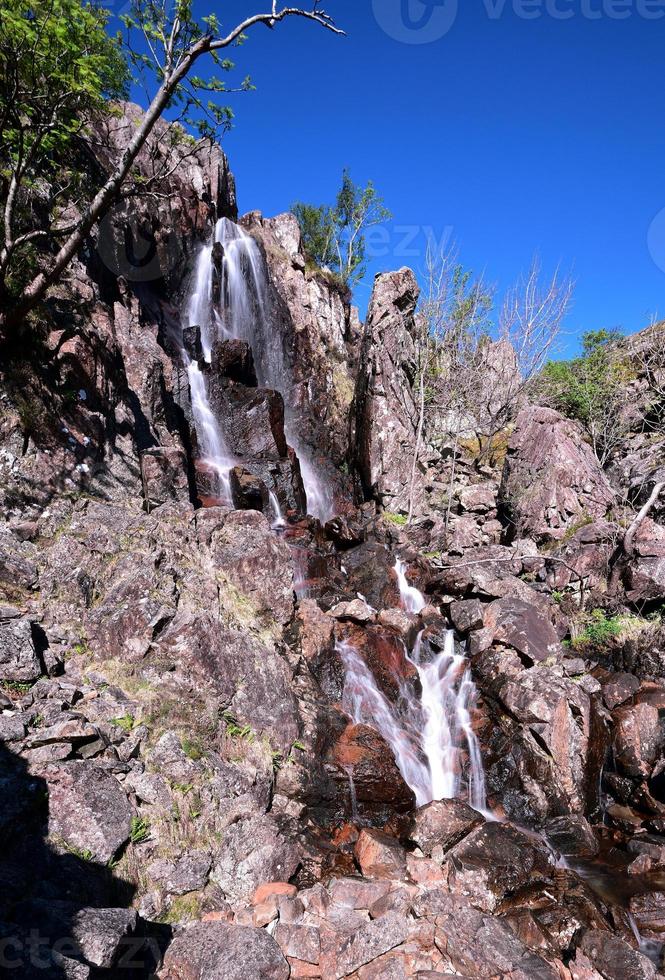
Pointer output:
516, 134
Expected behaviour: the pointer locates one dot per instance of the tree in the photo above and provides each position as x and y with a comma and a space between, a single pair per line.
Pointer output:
334, 237
172, 43
57, 66
592, 389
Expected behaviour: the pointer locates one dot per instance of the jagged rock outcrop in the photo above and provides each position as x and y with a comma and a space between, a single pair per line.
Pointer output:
317, 330
386, 413
551, 478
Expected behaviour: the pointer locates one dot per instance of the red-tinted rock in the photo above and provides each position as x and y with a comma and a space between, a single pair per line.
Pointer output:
361, 753
379, 855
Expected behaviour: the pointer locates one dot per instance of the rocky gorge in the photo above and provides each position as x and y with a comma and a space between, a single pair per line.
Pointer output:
255, 722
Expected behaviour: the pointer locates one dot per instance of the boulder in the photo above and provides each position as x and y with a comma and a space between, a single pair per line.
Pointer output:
467, 615
615, 959
88, 809
253, 851
379, 855
19, 659
249, 492
644, 574
479, 945
524, 627
479, 498
551, 478
494, 862
362, 755
233, 359
556, 735
221, 951
164, 475
386, 414
572, 835
357, 610
442, 824
639, 739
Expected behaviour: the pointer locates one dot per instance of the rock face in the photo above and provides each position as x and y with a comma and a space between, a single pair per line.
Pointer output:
219, 951
386, 414
317, 332
551, 478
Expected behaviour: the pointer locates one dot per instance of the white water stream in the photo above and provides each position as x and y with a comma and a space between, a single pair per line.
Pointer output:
241, 310
427, 734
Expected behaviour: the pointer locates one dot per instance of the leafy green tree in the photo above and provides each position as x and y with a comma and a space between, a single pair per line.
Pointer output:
334, 237
591, 389
57, 65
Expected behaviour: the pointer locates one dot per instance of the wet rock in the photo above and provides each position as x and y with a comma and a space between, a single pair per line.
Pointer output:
19, 660
253, 851
370, 573
572, 835
524, 627
493, 862
557, 735
361, 753
379, 855
164, 476
249, 491
386, 412
345, 531
467, 615
88, 808
315, 328
551, 477
356, 610
648, 911
614, 959
251, 418
442, 824
233, 359
221, 951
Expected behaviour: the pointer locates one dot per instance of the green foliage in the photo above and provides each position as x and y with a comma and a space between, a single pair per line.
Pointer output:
192, 748
334, 236
58, 65
235, 730
139, 830
400, 520
599, 630
196, 98
590, 388
126, 722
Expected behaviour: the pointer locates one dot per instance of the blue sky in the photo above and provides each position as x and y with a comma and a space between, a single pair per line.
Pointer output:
510, 135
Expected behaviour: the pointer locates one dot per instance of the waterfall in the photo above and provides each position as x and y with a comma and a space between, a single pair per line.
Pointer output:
229, 299
428, 734
412, 600
278, 517
216, 456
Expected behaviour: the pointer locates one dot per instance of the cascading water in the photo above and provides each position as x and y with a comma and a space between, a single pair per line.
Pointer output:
229, 299
427, 735
412, 600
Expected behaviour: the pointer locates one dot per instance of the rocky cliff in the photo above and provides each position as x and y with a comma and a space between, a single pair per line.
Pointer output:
239, 741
